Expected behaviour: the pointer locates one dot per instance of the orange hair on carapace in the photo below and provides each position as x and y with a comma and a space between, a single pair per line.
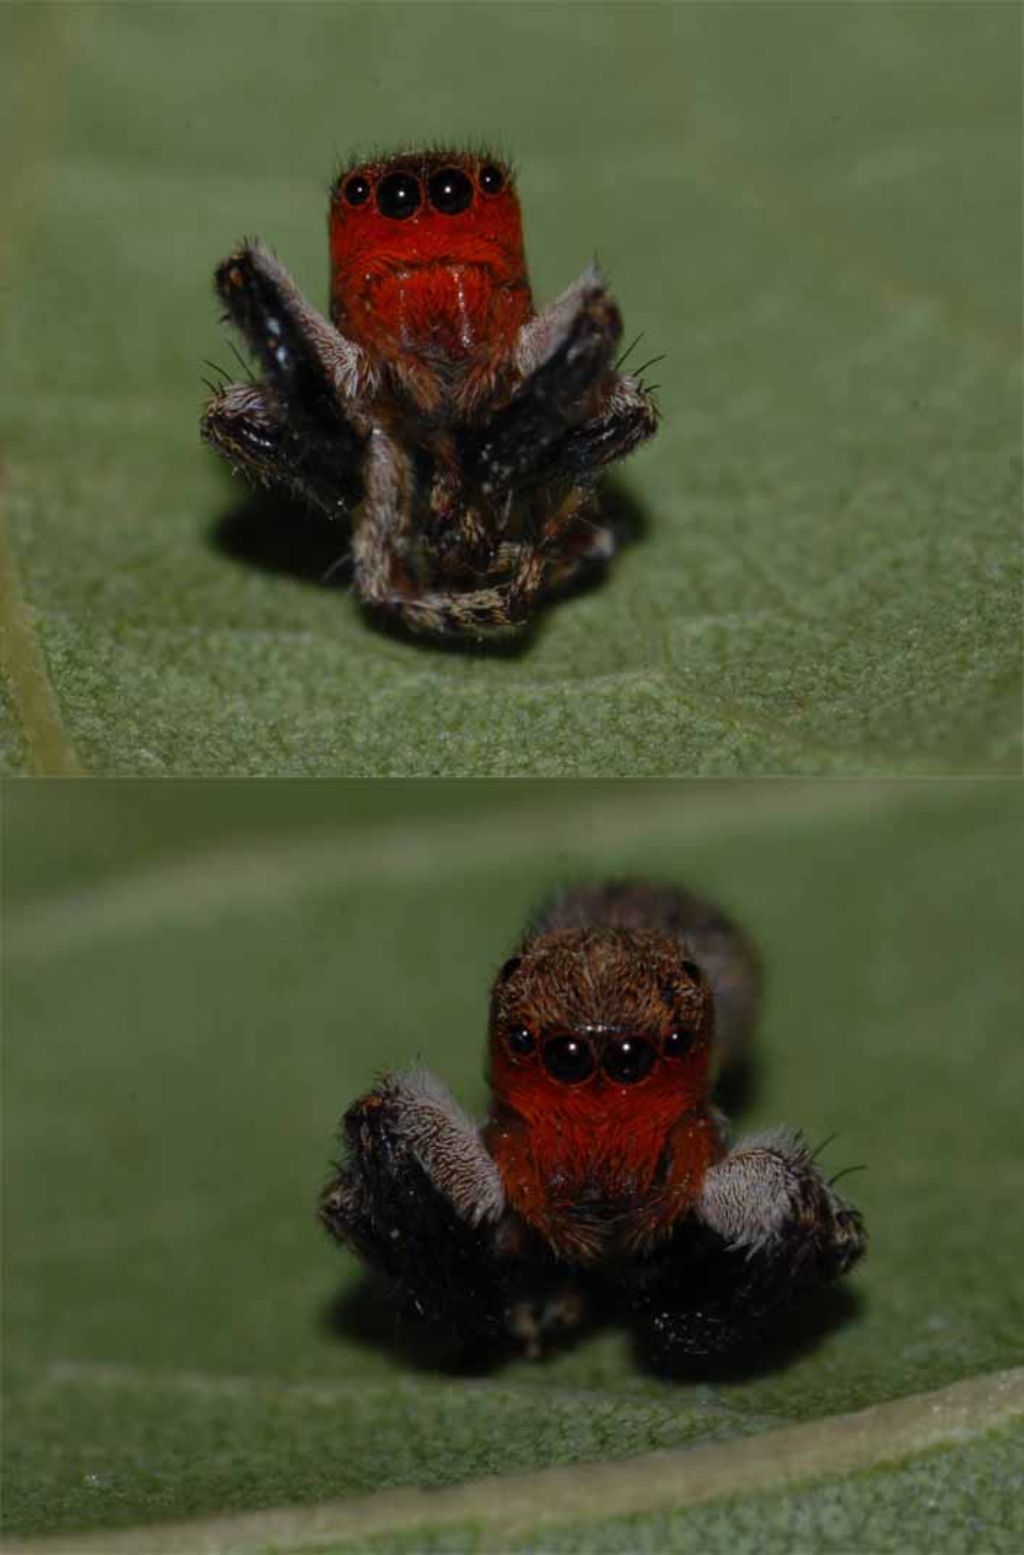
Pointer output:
578, 1154
427, 257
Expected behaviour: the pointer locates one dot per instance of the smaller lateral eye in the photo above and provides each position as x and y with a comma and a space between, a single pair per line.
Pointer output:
520, 1041
678, 1042
357, 189
492, 179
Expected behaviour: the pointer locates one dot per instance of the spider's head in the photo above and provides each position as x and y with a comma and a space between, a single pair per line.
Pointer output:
601, 1035
427, 253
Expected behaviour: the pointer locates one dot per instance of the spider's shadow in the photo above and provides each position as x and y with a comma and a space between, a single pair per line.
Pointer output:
366, 1314
272, 532
789, 1336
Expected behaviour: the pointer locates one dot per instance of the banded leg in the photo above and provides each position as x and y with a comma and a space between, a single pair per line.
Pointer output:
482, 612
387, 581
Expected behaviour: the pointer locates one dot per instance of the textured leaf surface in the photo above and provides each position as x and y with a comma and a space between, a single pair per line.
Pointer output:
193, 996
813, 210
959, 1501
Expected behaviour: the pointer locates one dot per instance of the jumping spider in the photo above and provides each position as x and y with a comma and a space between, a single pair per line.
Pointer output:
461, 432
603, 1176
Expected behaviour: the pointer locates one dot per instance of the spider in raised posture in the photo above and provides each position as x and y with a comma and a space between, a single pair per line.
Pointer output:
461, 432
603, 1176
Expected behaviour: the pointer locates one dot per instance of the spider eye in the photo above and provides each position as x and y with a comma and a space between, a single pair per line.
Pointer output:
492, 179
357, 189
569, 1059
398, 195
628, 1059
678, 1042
449, 191
520, 1041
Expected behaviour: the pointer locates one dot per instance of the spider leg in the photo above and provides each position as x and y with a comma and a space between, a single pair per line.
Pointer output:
420, 1199
243, 424
628, 418
310, 367
560, 390
587, 547
481, 612
385, 578
770, 1200
766, 1227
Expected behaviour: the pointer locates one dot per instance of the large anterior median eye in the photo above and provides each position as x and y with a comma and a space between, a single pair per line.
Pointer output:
569, 1059
449, 191
628, 1059
398, 195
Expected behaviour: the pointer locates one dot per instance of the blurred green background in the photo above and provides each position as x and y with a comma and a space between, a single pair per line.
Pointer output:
199, 978
814, 210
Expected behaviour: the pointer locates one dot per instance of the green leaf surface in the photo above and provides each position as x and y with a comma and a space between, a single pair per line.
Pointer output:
960, 1501
192, 1001
813, 210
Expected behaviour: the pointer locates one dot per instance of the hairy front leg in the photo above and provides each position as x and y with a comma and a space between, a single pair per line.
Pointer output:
566, 356
767, 1226
243, 424
628, 418
310, 367
420, 1199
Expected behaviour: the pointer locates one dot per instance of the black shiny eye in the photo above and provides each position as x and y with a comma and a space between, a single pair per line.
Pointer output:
678, 1042
357, 189
569, 1059
520, 1041
492, 179
398, 195
628, 1059
449, 191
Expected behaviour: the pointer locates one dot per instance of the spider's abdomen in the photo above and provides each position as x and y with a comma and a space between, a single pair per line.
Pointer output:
427, 257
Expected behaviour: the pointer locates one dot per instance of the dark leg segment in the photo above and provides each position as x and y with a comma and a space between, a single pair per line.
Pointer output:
244, 425
767, 1227
630, 417
307, 364
557, 396
419, 1198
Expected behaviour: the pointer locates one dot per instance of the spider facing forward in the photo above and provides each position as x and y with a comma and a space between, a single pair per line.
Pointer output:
461, 433
603, 1178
